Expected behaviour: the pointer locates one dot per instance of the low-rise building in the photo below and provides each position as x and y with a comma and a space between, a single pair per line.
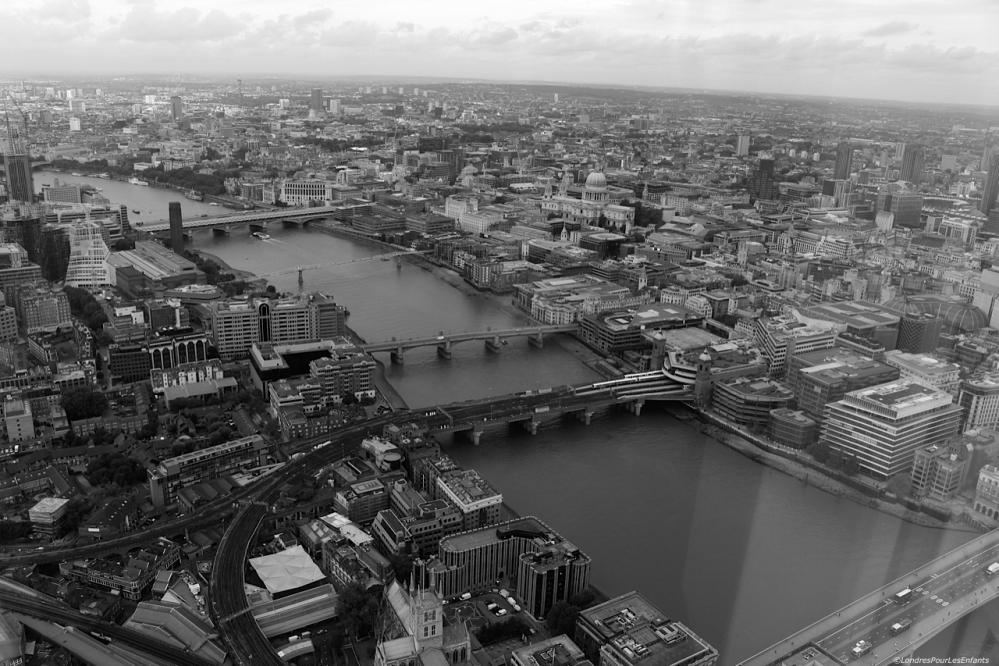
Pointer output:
926, 369
47, 515
939, 471
628, 630
478, 501
748, 400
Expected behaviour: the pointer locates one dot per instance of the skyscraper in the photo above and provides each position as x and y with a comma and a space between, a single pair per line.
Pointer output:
912, 163
20, 184
762, 184
844, 155
742, 145
176, 108
176, 228
991, 188
316, 102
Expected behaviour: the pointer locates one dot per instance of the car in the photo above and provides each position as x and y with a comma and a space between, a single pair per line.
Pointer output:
491, 606
466, 596
501, 612
900, 626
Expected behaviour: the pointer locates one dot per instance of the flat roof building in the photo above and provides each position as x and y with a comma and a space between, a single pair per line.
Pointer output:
925, 369
628, 630
172, 474
882, 426
478, 501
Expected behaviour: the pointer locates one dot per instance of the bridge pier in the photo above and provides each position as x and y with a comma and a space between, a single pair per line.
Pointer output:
494, 344
220, 231
444, 350
476, 435
636, 407
585, 416
537, 341
531, 425
397, 356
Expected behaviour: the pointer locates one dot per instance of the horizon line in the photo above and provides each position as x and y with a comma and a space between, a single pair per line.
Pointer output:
991, 108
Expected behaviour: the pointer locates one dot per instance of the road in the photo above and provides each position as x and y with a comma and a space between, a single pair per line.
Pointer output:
952, 587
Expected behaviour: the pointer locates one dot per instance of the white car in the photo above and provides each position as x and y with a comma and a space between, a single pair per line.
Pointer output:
501, 612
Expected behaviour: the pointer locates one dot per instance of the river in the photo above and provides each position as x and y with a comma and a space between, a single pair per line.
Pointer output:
743, 554
151, 202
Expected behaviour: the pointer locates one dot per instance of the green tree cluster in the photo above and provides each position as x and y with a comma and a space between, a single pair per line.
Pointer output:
83, 403
12, 530
115, 469
83, 305
358, 610
513, 627
561, 618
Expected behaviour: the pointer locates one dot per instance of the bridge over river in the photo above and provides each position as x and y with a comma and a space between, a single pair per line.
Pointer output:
885, 626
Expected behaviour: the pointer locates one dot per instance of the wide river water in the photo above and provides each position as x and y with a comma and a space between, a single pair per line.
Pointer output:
743, 554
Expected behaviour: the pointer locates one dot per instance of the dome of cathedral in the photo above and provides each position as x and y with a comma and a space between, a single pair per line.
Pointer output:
963, 317
596, 180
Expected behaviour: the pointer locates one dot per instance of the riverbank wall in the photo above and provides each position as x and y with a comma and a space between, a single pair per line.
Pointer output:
390, 397
798, 465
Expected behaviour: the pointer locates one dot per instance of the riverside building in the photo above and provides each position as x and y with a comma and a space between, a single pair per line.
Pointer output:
882, 426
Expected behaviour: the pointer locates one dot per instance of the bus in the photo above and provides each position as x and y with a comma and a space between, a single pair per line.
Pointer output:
904, 596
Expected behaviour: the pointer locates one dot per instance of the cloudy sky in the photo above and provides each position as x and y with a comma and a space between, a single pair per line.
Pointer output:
890, 49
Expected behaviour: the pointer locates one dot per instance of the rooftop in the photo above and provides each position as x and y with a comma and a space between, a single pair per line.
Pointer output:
904, 397
287, 570
468, 487
924, 364
526, 528
639, 632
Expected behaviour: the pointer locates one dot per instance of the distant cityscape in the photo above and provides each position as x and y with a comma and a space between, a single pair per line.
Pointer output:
201, 466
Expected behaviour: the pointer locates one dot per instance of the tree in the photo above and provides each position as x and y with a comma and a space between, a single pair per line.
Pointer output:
820, 452
402, 565
513, 627
115, 469
76, 511
561, 619
83, 403
358, 609
900, 485
11, 530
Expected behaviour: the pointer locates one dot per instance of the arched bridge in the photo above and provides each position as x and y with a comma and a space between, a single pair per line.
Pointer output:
261, 217
891, 622
494, 340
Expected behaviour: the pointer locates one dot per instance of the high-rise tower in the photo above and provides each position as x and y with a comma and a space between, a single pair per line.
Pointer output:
17, 160
176, 228
844, 155
176, 108
912, 163
991, 189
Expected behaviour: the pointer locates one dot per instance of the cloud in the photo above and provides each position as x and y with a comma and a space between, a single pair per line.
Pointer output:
144, 23
310, 19
891, 28
351, 34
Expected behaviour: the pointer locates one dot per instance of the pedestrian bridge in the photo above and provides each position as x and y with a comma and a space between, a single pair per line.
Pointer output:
891, 622
494, 340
